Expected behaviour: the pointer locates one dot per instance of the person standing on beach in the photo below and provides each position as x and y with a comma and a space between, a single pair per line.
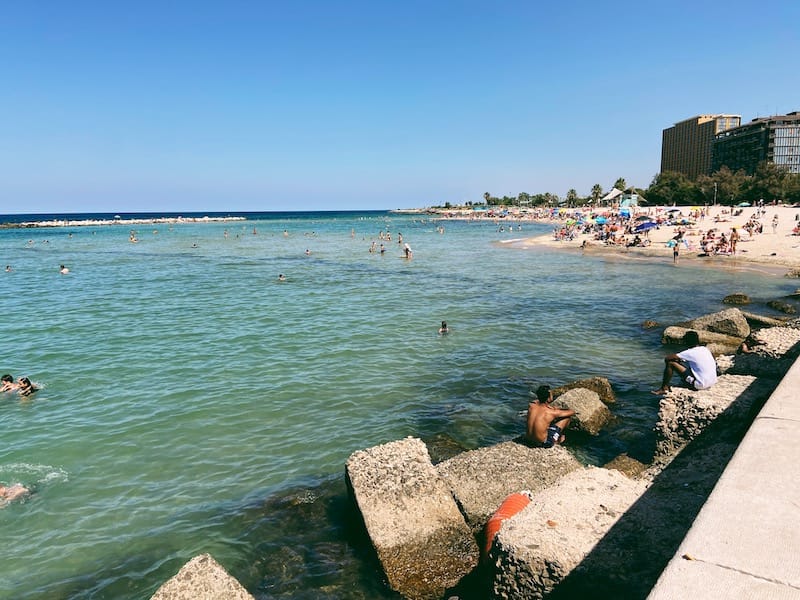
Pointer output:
675, 254
695, 365
734, 240
775, 224
546, 424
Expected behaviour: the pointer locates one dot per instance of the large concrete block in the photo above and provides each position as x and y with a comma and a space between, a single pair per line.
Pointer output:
481, 479
421, 538
540, 546
202, 578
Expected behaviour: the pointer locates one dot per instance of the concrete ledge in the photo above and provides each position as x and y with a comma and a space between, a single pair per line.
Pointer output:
745, 543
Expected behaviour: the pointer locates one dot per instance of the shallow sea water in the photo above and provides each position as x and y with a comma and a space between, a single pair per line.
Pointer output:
192, 403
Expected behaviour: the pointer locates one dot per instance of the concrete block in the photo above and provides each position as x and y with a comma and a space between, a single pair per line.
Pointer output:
481, 479
202, 578
421, 538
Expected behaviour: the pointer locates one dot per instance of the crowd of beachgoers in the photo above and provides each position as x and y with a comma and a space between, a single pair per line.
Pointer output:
765, 233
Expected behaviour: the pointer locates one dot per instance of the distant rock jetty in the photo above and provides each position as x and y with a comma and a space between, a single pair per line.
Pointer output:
115, 221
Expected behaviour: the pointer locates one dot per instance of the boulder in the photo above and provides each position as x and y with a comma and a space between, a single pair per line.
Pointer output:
782, 306
481, 479
600, 385
649, 324
794, 273
202, 578
541, 545
717, 343
591, 415
758, 321
736, 298
729, 322
419, 535
626, 465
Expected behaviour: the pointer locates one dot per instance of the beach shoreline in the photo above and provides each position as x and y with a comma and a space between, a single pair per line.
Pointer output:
770, 251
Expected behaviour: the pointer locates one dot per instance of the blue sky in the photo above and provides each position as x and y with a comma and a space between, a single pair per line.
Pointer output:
193, 106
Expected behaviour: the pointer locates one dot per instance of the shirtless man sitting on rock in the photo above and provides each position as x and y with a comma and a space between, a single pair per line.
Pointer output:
546, 423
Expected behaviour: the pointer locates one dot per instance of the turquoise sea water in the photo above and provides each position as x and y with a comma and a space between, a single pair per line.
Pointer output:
192, 403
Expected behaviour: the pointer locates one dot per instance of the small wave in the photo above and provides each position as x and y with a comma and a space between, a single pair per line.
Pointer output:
32, 475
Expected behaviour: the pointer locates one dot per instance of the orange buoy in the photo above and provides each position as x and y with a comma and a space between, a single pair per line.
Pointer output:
513, 504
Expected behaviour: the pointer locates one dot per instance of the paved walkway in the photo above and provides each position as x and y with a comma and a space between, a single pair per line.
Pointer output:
745, 543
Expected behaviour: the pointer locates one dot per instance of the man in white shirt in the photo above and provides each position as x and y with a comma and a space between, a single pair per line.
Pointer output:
696, 366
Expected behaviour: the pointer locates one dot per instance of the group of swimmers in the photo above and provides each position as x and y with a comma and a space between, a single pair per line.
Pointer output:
24, 387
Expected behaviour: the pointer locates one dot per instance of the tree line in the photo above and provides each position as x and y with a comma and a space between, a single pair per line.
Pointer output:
769, 182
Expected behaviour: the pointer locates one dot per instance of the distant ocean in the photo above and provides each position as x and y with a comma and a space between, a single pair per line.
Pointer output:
193, 403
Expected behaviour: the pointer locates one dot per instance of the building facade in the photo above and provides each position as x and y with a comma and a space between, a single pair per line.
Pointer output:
770, 139
686, 147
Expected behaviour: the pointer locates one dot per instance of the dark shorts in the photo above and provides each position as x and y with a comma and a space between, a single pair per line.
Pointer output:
688, 378
553, 434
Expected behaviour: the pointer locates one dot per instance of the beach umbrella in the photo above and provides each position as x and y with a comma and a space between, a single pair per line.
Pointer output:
600, 220
642, 218
671, 210
743, 204
642, 227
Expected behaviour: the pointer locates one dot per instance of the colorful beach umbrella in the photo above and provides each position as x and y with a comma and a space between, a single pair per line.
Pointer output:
642, 227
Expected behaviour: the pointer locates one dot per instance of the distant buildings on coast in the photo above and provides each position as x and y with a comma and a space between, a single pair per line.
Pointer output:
704, 144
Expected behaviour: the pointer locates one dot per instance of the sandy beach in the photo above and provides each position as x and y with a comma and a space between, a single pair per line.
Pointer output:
777, 251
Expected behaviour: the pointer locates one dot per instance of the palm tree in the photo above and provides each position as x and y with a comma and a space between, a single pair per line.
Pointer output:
597, 192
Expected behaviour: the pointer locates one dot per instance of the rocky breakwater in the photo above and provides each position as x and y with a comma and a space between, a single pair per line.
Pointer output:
590, 530
599, 532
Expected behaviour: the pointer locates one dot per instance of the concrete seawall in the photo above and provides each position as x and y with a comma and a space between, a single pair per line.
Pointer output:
745, 542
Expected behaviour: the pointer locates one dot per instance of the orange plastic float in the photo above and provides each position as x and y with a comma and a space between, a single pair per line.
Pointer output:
512, 505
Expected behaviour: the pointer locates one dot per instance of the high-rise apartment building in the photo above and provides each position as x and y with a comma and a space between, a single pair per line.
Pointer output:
686, 146
769, 139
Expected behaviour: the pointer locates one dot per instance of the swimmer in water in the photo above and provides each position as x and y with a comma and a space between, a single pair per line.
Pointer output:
8, 384
25, 387
13, 492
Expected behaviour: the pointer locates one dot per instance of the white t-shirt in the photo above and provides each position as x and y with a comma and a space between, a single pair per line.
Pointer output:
703, 366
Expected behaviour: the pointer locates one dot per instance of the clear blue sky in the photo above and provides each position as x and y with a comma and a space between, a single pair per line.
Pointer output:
297, 105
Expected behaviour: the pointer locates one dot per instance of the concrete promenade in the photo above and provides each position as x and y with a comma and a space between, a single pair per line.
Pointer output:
745, 543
